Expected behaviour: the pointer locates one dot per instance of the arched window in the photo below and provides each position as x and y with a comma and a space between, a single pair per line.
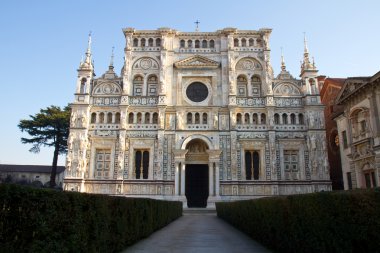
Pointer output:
236, 42
300, 119
83, 85
135, 42
204, 43
189, 119
143, 42
117, 118
101, 118
251, 42
252, 164
292, 119
147, 118
255, 118
284, 119
243, 42
189, 43
150, 42
263, 118
197, 119
152, 85
155, 118
139, 118
109, 118
138, 85
130, 118
242, 86
182, 43
197, 44
158, 42
204, 118
212, 44
246, 118
256, 86
238, 119
93, 118
276, 119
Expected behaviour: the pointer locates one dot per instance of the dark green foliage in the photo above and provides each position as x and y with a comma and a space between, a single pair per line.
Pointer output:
50, 128
44, 220
320, 222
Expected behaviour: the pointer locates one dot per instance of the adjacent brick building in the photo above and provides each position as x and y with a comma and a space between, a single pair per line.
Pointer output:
330, 90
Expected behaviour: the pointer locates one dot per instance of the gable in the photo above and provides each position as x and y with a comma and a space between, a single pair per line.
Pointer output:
197, 61
349, 88
286, 89
107, 89
145, 63
248, 64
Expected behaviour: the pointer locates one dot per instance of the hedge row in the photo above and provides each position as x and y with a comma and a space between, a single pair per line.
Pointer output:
319, 222
42, 220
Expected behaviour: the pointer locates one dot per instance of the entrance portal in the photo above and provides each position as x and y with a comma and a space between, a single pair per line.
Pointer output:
196, 185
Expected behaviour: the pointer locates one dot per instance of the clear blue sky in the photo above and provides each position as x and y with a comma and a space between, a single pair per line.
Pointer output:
42, 43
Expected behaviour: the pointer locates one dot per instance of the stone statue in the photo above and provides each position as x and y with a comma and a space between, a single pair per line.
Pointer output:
73, 119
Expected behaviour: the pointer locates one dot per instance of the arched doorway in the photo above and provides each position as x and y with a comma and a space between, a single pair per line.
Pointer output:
197, 174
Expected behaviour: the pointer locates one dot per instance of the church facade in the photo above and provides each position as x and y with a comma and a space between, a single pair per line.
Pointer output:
197, 117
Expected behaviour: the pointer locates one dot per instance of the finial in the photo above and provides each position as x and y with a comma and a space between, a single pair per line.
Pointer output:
197, 25
111, 62
313, 63
89, 42
306, 50
283, 67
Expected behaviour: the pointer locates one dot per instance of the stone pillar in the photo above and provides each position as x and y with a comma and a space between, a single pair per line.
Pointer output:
211, 179
179, 182
183, 178
249, 87
258, 119
176, 179
217, 179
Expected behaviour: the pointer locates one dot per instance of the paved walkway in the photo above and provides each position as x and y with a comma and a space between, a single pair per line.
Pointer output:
197, 233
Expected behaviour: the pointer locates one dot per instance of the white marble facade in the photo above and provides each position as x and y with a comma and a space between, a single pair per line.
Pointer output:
206, 98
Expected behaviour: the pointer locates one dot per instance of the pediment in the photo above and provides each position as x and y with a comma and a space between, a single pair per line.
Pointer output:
349, 88
107, 88
197, 61
286, 89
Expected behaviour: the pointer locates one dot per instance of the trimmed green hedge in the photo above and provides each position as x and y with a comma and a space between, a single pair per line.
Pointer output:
346, 221
42, 220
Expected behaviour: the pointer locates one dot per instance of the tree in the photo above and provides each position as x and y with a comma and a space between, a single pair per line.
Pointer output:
50, 128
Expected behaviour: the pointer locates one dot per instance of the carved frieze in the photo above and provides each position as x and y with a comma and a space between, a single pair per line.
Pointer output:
108, 101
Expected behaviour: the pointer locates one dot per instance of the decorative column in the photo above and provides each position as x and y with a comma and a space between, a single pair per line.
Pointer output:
183, 178
211, 178
214, 156
176, 179
217, 179
179, 179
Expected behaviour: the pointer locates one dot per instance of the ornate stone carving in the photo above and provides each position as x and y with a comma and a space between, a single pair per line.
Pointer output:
108, 101
288, 102
149, 101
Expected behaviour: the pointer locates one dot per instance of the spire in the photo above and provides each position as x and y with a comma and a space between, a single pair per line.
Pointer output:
283, 66
112, 55
306, 65
306, 50
87, 63
88, 52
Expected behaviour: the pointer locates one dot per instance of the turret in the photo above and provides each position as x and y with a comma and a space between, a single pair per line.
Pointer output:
309, 73
85, 75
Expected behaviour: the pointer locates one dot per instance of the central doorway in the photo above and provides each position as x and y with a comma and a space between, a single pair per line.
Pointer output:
196, 186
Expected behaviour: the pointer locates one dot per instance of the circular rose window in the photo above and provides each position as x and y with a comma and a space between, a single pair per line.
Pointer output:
197, 92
